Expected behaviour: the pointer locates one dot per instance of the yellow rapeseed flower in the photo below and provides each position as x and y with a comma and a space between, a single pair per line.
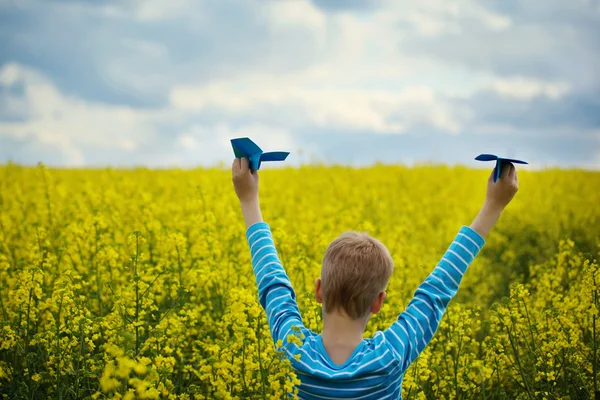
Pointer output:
136, 283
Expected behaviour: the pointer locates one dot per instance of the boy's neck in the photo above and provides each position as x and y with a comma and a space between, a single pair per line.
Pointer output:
341, 335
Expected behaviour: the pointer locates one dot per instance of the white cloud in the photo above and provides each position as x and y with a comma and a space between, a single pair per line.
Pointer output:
361, 81
9, 74
127, 144
69, 123
501, 129
188, 141
154, 10
76, 127
212, 143
595, 165
438, 17
291, 13
298, 106
527, 88
284, 68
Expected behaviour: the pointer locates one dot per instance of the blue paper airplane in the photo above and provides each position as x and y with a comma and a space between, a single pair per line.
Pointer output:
244, 147
499, 161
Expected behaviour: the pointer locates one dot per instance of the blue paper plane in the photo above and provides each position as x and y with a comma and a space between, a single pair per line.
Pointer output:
244, 147
499, 161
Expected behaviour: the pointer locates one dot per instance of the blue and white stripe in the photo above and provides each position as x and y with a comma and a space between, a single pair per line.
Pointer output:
376, 368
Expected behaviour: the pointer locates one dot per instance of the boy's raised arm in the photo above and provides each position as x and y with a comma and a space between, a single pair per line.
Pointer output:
415, 327
275, 291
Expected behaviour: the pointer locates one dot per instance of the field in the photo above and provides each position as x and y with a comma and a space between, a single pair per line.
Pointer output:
138, 283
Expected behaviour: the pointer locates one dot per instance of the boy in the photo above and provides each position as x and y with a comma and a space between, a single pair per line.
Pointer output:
339, 363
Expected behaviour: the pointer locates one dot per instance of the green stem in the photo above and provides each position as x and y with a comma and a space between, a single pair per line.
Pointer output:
97, 269
518, 359
454, 354
243, 368
58, 375
566, 378
4, 313
28, 326
151, 283
260, 365
530, 327
595, 365
179, 266
80, 358
137, 292
29, 309
48, 202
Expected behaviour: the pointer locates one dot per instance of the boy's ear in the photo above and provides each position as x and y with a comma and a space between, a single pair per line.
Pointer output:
318, 293
377, 303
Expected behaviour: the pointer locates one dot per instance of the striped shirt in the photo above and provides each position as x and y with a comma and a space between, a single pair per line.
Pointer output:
376, 367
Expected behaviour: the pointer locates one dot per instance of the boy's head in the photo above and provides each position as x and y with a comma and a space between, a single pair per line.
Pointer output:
355, 273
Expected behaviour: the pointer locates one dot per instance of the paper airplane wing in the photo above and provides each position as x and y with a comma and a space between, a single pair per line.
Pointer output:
499, 161
514, 161
486, 157
274, 156
497, 169
244, 147
254, 162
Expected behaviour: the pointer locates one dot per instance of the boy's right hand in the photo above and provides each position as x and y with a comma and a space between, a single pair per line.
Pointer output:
245, 183
499, 194
245, 180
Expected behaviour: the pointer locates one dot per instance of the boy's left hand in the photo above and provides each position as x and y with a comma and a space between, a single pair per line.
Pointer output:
245, 180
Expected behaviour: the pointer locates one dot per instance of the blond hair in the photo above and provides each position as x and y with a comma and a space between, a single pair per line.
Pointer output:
356, 268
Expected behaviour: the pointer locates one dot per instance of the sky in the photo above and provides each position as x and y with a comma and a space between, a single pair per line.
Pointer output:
162, 83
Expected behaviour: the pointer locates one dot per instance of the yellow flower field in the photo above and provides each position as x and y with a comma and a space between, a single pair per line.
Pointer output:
138, 284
